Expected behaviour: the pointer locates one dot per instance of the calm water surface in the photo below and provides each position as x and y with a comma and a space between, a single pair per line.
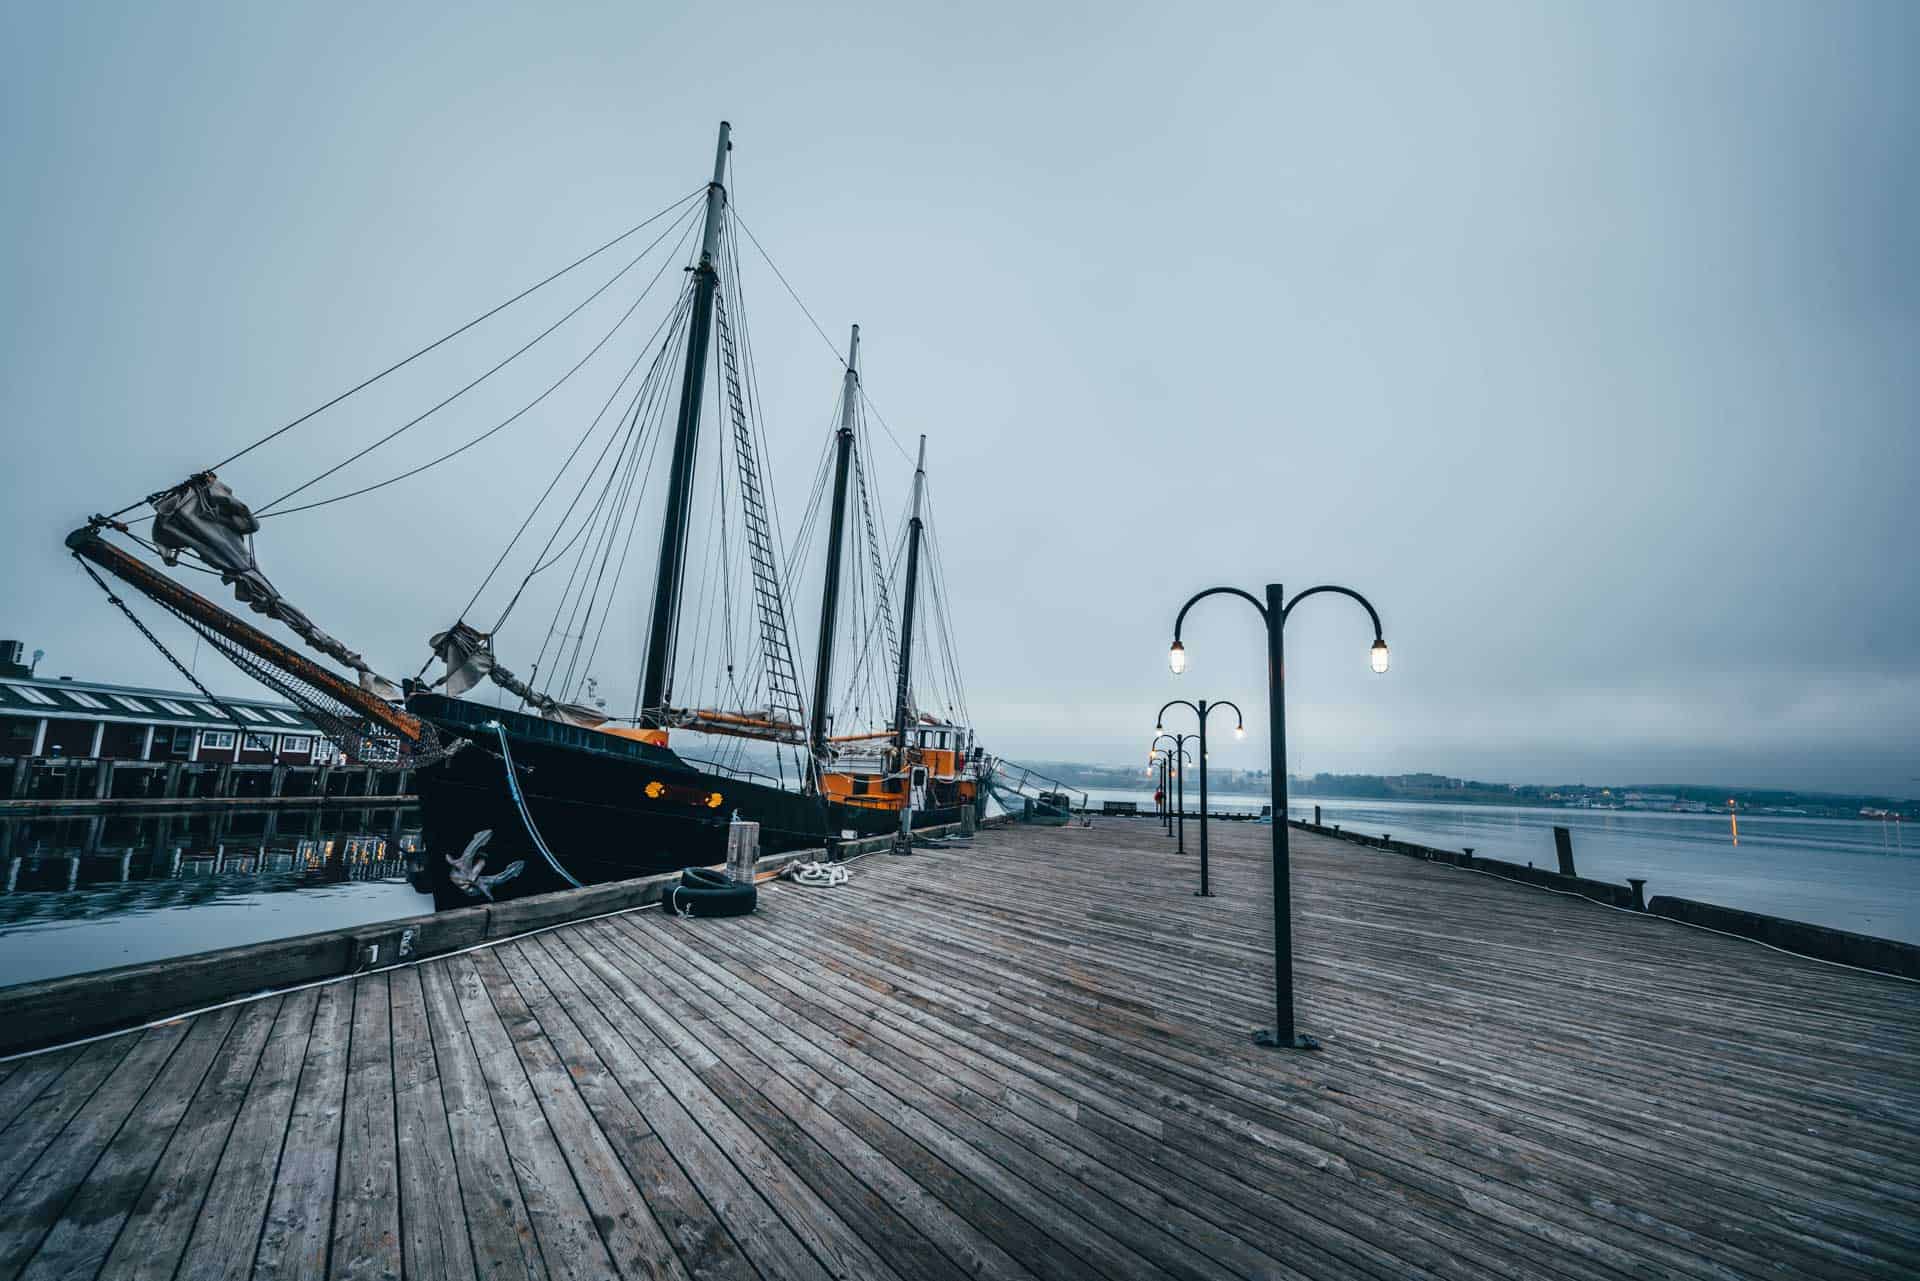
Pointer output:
93, 892
1859, 875
89, 893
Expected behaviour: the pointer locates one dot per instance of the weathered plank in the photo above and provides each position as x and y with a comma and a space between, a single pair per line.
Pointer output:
156, 1231
922, 1074
497, 1221
433, 1231
226, 1231
299, 1222
34, 1206
366, 1210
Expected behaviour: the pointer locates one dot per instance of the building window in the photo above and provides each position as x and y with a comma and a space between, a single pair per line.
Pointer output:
295, 743
183, 740
249, 713
281, 716
85, 700
219, 739
175, 708
131, 704
33, 695
259, 743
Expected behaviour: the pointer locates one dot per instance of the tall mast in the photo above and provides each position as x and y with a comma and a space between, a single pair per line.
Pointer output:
836, 533
903, 699
656, 683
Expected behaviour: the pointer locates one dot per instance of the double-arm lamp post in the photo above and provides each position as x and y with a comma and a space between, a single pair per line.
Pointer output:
1274, 614
1176, 759
1201, 710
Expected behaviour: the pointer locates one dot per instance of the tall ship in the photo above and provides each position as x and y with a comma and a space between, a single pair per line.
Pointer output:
548, 786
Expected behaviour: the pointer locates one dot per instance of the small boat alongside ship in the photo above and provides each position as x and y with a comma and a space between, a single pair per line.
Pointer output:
557, 791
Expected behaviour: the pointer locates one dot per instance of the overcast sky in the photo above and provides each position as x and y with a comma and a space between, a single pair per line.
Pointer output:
1579, 337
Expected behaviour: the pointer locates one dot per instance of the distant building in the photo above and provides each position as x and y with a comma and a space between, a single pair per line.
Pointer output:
45, 717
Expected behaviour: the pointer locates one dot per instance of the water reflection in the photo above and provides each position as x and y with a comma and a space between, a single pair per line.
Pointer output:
92, 891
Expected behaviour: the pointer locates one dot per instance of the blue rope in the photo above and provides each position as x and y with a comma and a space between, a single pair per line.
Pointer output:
520, 802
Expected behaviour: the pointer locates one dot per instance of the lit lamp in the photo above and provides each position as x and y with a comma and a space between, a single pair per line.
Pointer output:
1273, 612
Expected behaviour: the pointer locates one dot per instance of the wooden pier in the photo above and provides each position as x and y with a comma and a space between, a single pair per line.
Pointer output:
1026, 1059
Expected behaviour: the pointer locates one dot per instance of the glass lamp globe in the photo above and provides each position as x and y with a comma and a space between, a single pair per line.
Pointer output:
1379, 656
1177, 658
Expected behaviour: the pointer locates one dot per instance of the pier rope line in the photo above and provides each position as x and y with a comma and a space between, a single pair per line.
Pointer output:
440, 341
415, 421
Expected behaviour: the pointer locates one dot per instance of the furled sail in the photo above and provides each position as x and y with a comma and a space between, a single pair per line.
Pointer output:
468, 654
202, 516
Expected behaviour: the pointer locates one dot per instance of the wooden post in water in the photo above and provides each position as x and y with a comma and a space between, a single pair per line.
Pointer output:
743, 850
1563, 846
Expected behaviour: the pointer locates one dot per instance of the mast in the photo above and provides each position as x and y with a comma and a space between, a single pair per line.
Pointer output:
903, 699
836, 533
655, 684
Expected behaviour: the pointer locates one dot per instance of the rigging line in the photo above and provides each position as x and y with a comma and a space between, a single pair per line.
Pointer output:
884, 423
444, 338
950, 643
600, 525
586, 527
635, 407
650, 443
615, 518
630, 419
503, 363
503, 423
568, 461
733, 207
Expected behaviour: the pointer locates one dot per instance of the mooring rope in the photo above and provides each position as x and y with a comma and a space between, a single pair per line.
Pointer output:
520, 803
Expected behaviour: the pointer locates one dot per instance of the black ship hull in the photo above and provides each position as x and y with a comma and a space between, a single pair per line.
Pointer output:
606, 809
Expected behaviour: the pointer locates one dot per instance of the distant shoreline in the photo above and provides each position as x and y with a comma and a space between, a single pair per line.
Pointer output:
1435, 789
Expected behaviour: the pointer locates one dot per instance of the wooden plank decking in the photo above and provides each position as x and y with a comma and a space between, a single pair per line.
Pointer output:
1029, 1060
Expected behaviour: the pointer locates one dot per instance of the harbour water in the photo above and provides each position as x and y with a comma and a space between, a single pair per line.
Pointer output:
87, 893
1860, 875
92, 892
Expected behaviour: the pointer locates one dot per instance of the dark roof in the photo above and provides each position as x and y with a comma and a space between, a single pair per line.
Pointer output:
93, 700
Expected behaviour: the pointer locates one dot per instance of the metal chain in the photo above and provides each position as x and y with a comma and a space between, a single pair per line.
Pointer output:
211, 697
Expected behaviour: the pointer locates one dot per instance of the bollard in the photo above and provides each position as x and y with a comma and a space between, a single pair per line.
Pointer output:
1316, 816
743, 849
1466, 857
1563, 846
1639, 884
1386, 839
968, 819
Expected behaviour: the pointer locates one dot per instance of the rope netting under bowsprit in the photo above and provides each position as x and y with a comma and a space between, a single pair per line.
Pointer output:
364, 740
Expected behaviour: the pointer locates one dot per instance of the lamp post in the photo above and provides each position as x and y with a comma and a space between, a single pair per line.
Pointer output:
1239, 731
1274, 614
1157, 771
1180, 758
